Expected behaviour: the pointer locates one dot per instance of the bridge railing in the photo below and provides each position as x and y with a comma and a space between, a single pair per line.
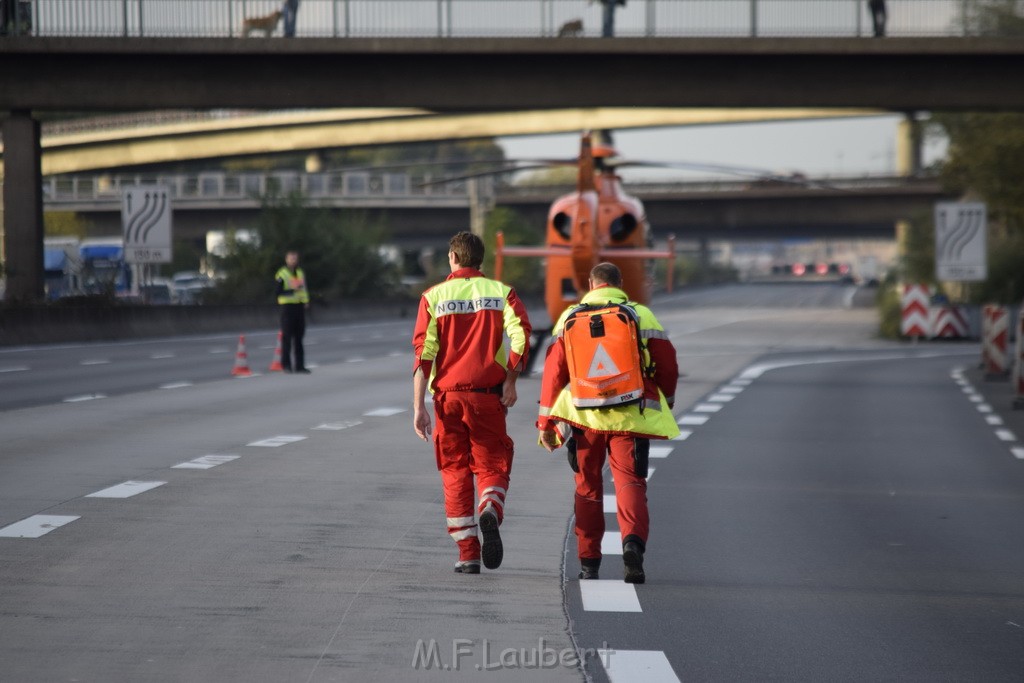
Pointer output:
507, 18
231, 188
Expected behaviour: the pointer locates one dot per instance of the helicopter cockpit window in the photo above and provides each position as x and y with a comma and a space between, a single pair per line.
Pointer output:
563, 224
622, 227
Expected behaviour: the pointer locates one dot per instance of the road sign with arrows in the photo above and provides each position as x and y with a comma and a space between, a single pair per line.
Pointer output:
960, 241
146, 221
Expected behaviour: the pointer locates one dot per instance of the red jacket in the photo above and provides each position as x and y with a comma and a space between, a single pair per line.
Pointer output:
461, 329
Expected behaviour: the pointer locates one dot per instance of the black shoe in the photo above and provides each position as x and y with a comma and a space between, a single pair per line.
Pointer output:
589, 567
467, 567
286, 369
633, 559
304, 371
491, 549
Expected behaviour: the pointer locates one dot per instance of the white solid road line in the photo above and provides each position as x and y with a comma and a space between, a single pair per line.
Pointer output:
84, 397
609, 596
36, 526
276, 441
637, 666
384, 412
126, 489
15, 368
205, 462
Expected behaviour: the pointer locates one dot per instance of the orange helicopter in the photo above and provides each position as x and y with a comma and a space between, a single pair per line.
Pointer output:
598, 222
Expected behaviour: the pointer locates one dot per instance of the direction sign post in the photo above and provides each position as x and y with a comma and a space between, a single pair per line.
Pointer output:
961, 252
146, 222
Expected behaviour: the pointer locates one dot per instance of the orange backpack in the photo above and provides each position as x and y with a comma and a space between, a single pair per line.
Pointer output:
605, 356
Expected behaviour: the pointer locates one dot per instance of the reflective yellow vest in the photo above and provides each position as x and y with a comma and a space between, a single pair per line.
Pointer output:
651, 417
296, 282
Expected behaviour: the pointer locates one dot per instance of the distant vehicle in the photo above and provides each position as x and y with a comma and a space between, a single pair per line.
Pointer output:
104, 270
158, 292
62, 267
187, 287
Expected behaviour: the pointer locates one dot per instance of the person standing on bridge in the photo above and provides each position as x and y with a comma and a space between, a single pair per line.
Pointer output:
290, 11
605, 424
461, 355
293, 298
878, 17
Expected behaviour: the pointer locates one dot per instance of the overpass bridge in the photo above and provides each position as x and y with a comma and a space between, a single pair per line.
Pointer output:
419, 215
820, 64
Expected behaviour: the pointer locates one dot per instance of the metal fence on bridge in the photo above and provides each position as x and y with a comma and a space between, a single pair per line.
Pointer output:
230, 188
509, 18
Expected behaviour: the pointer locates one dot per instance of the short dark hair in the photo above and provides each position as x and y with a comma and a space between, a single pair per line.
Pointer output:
607, 274
468, 249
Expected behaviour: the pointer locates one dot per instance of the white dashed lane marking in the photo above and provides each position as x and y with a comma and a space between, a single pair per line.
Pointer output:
634, 666
36, 526
95, 361
338, 426
994, 420
611, 542
205, 462
609, 596
731, 390
660, 451
684, 434
276, 441
693, 419
126, 489
1006, 435
707, 408
356, 360
14, 368
609, 507
1018, 452
84, 397
721, 398
176, 385
384, 412
162, 356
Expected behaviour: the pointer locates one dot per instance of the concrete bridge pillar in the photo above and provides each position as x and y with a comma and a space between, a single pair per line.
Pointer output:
23, 207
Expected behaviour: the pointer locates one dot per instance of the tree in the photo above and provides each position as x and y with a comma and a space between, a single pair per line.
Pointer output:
339, 254
524, 273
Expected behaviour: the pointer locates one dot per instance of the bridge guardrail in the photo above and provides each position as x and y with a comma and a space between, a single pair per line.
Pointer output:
502, 18
224, 186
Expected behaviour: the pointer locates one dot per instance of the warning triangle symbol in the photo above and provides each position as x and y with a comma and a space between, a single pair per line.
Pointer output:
602, 365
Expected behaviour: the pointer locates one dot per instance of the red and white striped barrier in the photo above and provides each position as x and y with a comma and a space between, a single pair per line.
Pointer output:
1018, 363
914, 306
949, 322
995, 335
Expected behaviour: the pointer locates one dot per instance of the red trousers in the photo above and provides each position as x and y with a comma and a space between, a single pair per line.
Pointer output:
630, 489
470, 440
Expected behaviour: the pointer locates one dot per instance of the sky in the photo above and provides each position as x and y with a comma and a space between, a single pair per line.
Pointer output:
845, 147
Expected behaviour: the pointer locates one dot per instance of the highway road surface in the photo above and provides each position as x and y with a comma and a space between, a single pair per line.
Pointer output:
839, 508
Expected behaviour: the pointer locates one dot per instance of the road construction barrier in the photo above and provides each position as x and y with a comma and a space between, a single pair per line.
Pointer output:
241, 368
914, 311
1018, 362
949, 322
275, 365
995, 335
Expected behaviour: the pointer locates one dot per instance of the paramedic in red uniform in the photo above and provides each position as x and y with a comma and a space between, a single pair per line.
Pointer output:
461, 355
620, 433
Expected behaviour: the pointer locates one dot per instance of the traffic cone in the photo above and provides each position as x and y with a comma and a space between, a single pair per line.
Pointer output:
241, 368
275, 365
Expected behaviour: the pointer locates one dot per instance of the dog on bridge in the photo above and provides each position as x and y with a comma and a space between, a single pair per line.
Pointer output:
267, 24
571, 29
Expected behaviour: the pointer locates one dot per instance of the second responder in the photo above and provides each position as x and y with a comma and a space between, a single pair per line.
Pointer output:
622, 433
461, 354
293, 298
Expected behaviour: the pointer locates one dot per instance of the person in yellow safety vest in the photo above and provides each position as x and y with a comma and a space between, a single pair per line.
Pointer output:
621, 432
293, 297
